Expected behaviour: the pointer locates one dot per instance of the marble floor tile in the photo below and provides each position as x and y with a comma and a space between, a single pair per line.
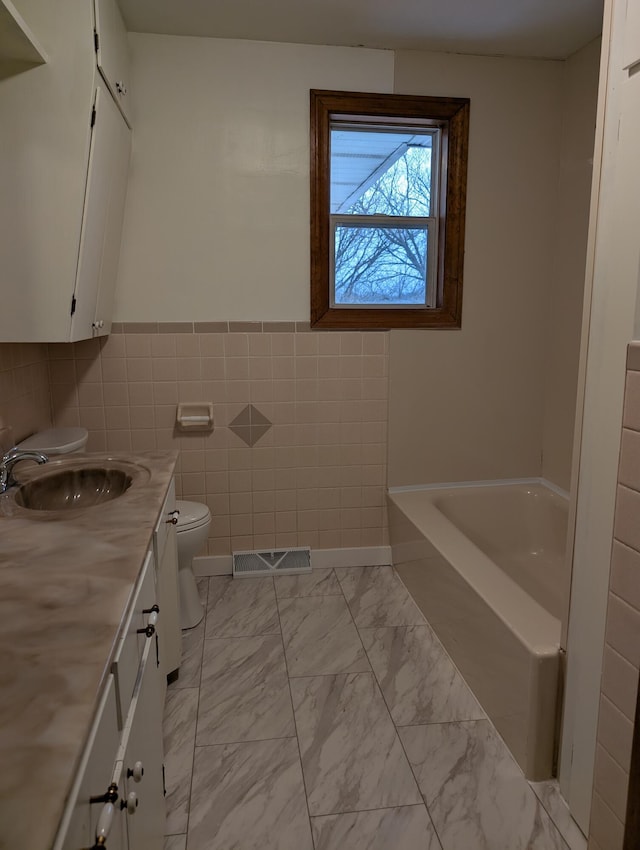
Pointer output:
320, 637
202, 583
179, 731
377, 597
351, 756
549, 795
315, 583
244, 694
403, 828
249, 797
241, 607
418, 679
175, 842
474, 790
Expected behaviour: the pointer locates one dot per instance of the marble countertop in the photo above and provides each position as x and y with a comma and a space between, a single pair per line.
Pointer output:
66, 579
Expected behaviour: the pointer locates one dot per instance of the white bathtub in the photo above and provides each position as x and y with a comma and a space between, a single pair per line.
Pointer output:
485, 564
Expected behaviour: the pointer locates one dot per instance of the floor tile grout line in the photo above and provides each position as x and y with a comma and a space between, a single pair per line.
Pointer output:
406, 755
295, 726
195, 735
376, 809
248, 741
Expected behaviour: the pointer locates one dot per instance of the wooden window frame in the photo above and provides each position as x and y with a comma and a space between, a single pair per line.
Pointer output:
452, 116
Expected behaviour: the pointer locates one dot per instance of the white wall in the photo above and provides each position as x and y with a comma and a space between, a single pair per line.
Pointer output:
217, 218
474, 408
610, 304
562, 343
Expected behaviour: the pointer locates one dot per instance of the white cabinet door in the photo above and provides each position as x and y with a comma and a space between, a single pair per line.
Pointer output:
94, 775
166, 553
142, 757
632, 34
112, 53
126, 661
102, 220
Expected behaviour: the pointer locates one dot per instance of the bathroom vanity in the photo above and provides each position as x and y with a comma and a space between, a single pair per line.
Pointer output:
89, 632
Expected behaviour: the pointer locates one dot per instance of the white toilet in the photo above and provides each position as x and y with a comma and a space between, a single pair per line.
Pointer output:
193, 527
56, 441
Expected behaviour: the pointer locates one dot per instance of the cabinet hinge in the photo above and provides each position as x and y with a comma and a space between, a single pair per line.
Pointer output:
93, 116
96, 40
73, 304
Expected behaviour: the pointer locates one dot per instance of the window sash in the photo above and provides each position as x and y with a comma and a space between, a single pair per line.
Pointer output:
430, 224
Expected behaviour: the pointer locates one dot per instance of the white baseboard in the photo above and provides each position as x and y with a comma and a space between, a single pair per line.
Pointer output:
361, 556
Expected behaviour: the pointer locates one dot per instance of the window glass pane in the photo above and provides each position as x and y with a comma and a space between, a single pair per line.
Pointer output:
374, 172
380, 265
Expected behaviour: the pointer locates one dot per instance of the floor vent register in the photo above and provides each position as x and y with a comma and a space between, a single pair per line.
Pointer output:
281, 562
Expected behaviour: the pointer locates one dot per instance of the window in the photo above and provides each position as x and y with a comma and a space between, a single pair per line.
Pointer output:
388, 184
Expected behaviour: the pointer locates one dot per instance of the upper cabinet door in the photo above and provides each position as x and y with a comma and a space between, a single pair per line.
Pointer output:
102, 220
632, 34
112, 52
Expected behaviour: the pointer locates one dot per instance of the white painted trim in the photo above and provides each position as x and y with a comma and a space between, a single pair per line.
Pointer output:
498, 482
362, 556
213, 565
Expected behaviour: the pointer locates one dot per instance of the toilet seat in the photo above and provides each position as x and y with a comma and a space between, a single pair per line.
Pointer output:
192, 515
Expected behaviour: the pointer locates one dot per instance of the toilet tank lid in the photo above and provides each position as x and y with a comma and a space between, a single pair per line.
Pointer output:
56, 441
191, 513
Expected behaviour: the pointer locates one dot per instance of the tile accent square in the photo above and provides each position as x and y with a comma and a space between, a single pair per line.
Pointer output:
317, 583
249, 796
244, 694
418, 679
377, 597
403, 828
241, 607
352, 759
320, 637
475, 792
250, 425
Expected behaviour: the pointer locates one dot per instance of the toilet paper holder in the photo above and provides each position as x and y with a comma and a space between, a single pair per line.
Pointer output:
195, 416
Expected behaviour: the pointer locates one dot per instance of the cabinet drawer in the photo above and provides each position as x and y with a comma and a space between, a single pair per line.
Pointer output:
140, 758
133, 640
165, 524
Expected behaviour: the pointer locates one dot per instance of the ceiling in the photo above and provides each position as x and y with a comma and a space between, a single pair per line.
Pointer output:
550, 29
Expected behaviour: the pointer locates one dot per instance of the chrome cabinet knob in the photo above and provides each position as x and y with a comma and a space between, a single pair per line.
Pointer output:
173, 517
121, 88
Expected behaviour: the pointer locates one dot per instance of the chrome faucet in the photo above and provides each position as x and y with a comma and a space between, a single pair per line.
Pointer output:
9, 461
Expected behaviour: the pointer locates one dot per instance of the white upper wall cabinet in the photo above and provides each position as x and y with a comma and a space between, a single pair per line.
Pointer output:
19, 48
112, 52
102, 221
46, 205
631, 54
